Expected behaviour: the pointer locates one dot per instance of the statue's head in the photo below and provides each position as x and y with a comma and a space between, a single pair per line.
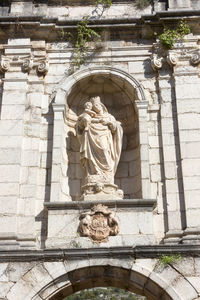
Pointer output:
88, 105
97, 106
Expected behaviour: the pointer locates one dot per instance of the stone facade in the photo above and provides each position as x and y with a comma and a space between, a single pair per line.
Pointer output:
154, 93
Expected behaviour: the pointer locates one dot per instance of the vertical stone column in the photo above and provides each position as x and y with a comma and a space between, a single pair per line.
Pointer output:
11, 135
58, 148
187, 87
144, 151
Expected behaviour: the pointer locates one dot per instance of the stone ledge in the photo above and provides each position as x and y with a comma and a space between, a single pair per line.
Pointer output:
154, 251
146, 204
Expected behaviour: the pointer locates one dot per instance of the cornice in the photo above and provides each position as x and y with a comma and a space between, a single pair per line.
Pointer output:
153, 251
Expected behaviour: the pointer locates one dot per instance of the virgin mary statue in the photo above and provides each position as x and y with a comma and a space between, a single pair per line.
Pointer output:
100, 137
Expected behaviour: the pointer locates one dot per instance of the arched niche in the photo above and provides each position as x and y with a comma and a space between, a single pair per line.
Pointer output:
124, 98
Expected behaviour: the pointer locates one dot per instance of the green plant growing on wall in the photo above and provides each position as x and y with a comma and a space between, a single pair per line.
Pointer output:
170, 259
141, 4
84, 36
170, 36
104, 3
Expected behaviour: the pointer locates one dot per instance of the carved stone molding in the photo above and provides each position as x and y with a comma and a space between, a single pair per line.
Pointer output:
156, 62
4, 64
99, 224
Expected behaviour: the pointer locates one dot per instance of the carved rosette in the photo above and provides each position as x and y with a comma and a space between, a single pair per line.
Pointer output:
99, 224
156, 62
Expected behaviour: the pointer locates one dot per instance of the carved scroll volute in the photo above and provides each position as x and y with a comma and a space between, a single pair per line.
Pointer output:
43, 67
27, 64
99, 224
195, 58
172, 59
156, 62
4, 64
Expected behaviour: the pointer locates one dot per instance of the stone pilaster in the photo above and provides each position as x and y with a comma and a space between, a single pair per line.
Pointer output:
57, 151
187, 88
144, 153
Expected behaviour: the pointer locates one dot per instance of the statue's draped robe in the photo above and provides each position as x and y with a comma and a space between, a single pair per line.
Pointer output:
100, 147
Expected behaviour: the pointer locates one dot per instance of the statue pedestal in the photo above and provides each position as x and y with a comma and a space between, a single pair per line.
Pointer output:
99, 191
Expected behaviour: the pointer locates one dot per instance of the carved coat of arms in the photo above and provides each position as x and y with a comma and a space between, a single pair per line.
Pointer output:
99, 223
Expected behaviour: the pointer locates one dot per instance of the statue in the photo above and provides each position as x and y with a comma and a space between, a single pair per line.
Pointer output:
100, 137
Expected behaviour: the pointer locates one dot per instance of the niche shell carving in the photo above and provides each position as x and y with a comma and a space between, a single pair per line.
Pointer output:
99, 224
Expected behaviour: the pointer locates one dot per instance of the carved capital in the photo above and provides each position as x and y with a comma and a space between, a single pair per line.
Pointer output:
172, 59
195, 58
99, 224
41, 65
156, 62
4, 64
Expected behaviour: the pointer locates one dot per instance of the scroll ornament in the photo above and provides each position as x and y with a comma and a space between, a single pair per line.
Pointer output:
42, 66
99, 224
172, 59
156, 62
195, 58
4, 64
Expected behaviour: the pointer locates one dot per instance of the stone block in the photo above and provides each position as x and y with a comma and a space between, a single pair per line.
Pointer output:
193, 197
154, 156
28, 190
189, 121
26, 206
13, 98
135, 168
8, 205
75, 187
30, 158
127, 185
26, 225
190, 150
155, 172
169, 153
170, 170
10, 156
12, 112
15, 86
9, 189
143, 66
7, 224
171, 186
9, 173
193, 217
129, 155
191, 183
122, 170
191, 167
11, 127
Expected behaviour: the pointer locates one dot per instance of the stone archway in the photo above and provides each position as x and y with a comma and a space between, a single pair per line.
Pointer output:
56, 280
